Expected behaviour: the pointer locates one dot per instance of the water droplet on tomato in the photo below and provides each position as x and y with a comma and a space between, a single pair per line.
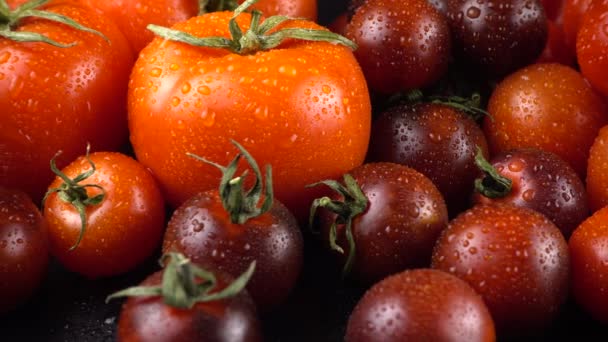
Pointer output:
203, 90
156, 72
186, 88
516, 166
175, 101
528, 195
473, 12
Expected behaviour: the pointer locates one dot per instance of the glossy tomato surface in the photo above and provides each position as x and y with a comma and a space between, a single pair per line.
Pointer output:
303, 108
597, 177
592, 46
55, 98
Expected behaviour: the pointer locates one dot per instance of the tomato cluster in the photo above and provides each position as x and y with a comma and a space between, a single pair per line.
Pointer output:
445, 158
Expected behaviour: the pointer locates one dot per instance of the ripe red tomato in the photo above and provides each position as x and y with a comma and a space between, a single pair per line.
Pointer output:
589, 267
121, 231
421, 305
23, 248
303, 108
597, 177
592, 46
55, 98
556, 50
554, 9
574, 10
546, 106
515, 258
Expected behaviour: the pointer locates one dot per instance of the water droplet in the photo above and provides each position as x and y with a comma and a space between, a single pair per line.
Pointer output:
473, 12
156, 72
528, 195
203, 90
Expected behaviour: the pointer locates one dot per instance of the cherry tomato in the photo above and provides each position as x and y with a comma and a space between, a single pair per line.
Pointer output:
556, 50
421, 305
436, 140
54, 98
541, 181
303, 108
23, 248
553, 9
592, 46
546, 106
121, 231
574, 10
515, 258
498, 36
401, 214
597, 177
589, 268
402, 44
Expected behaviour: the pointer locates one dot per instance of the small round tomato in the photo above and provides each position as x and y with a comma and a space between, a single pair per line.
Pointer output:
556, 50
515, 258
574, 10
58, 98
23, 248
402, 44
421, 305
597, 175
497, 36
546, 106
589, 267
303, 107
123, 211
592, 46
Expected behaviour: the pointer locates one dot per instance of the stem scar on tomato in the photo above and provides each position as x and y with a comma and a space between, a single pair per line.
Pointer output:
9, 19
493, 184
256, 38
72, 192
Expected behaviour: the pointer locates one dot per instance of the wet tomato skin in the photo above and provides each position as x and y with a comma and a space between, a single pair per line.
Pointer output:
122, 231
436, 140
574, 11
589, 268
150, 319
402, 44
597, 177
592, 46
201, 229
404, 216
546, 106
498, 36
24, 251
556, 50
420, 305
515, 258
544, 182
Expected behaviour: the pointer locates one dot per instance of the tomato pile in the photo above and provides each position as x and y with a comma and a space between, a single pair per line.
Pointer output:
248, 170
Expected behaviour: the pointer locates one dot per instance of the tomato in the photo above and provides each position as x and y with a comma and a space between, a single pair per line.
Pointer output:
553, 9
420, 305
150, 315
306, 9
597, 178
497, 37
440, 5
592, 46
436, 140
556, 50
23, 248
546, 106
122, 230
403, 45
54, 98
589, 268
574, 10
304, 108
396, 216
515, 258
541, 181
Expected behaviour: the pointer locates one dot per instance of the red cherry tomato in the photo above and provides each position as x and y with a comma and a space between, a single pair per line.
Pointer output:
592, 46
574, 10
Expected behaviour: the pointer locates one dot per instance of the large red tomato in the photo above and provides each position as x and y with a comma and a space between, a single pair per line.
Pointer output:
304, 108
54, 98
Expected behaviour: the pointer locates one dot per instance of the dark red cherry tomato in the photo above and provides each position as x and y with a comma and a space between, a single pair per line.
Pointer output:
541, 181
498, 36
402, 44
597, 171
436, 140
421, 305
574, 10
217, 233
556, 50
24, 252
394, 215
515, 258
592, 46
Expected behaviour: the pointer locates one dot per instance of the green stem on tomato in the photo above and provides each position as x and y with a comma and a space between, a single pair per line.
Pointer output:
492, 185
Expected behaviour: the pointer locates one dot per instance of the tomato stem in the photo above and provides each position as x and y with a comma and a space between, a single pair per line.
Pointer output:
492, 185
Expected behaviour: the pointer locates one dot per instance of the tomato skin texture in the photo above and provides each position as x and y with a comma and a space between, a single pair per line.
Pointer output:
150, 319
201, 230
544, 182
556, 50
306, 9
436, 140
121, 232
546, 106
60, 99
24, 248
515, 258
391, 62
574, 11
597, 178
592, 46
303, 108
589, 268
398, 309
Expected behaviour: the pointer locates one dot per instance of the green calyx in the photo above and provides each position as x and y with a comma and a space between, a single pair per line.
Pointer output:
76, 194
184, 284
353, 204
9, 20
471, 106
256, 38
492, 185
240, 204
206, 6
